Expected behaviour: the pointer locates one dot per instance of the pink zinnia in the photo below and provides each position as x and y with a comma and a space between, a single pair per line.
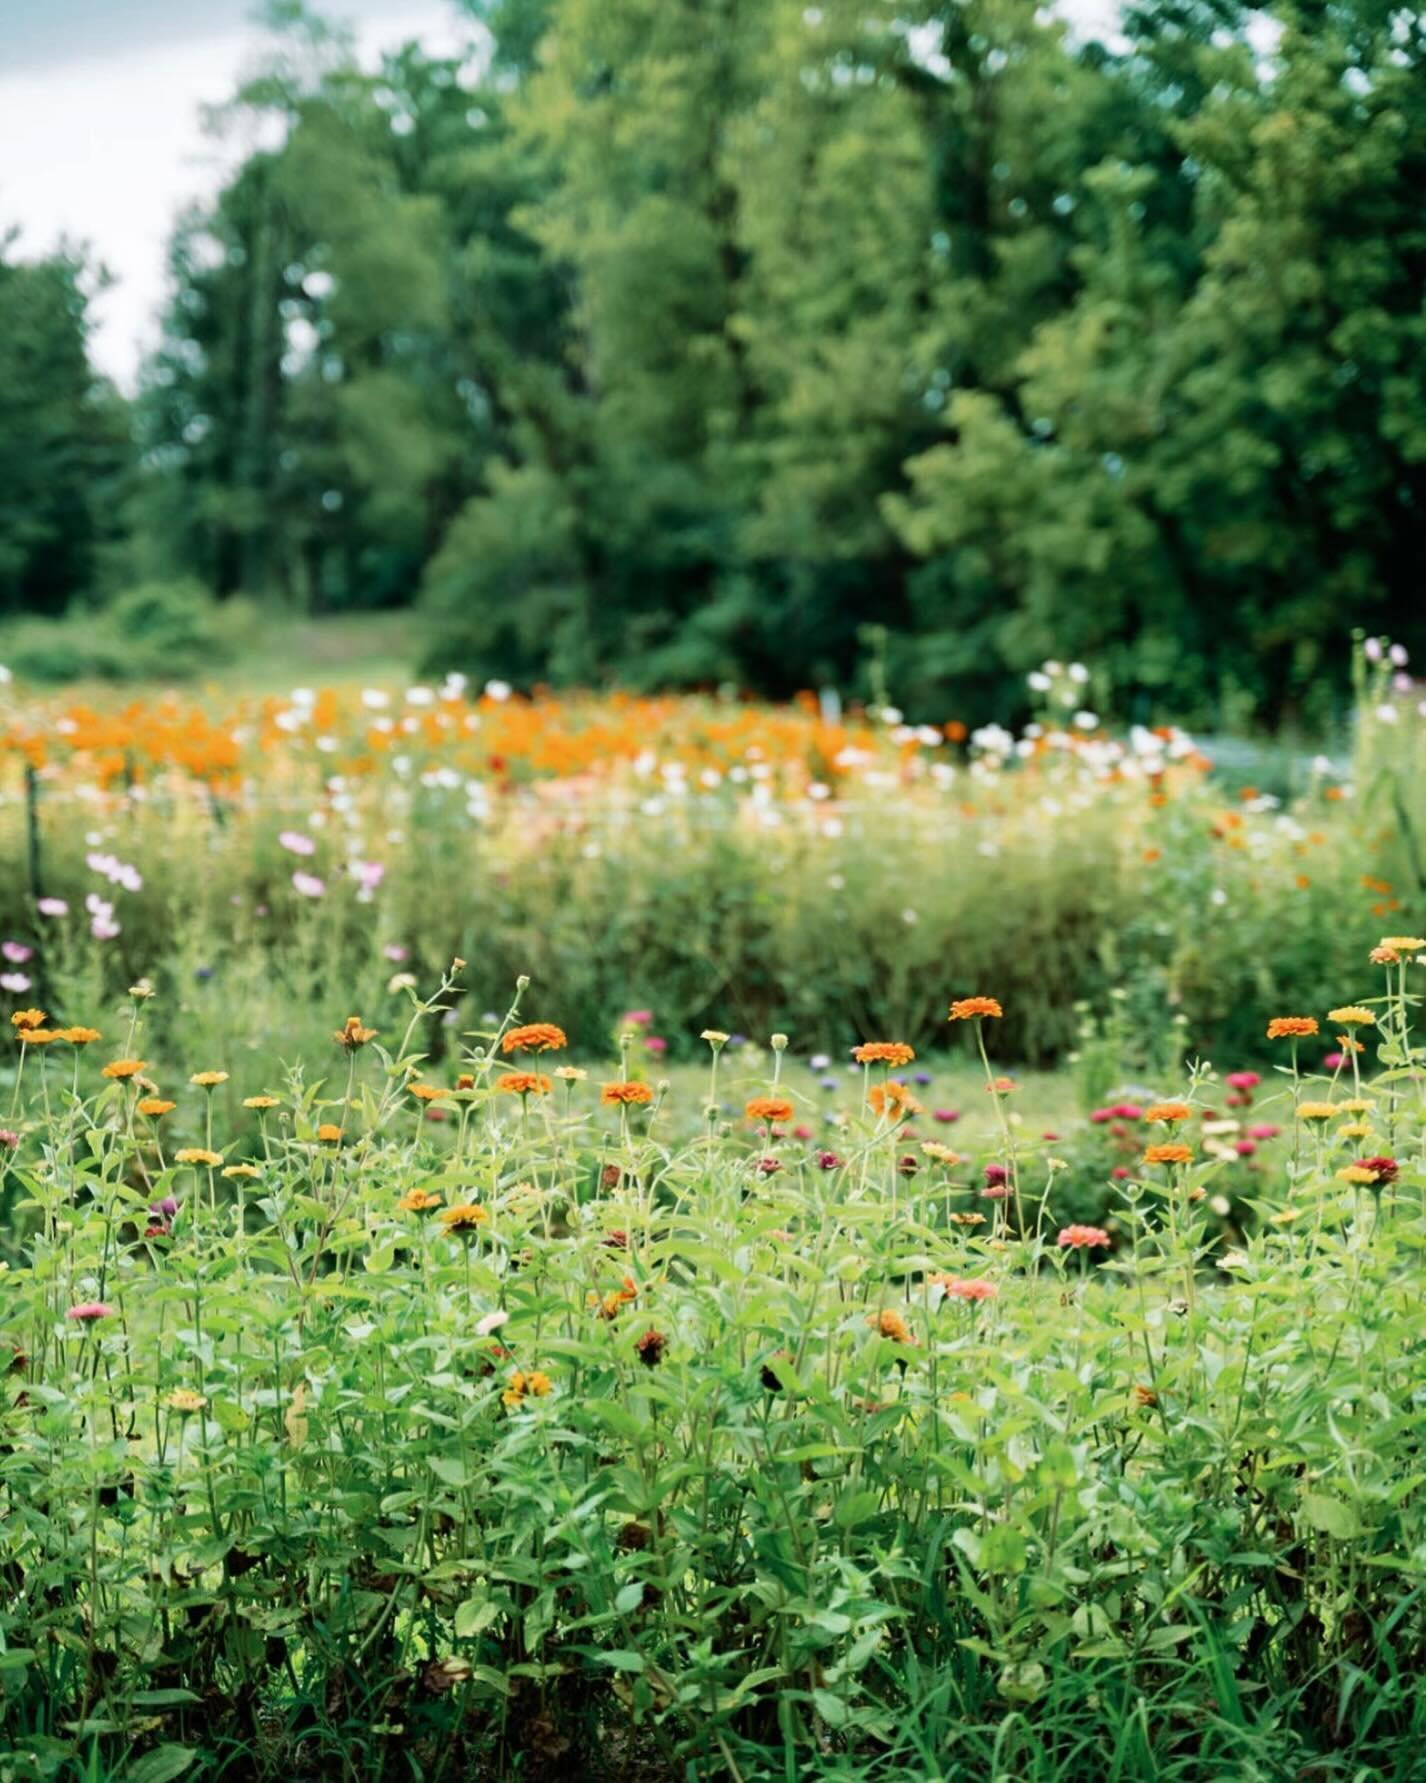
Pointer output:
1245, 1147
828, 1161
1265, 1130
1081, 1238
995, 1175
1334, 1061
946, 1115
9, 1139
972, 1287
1242, 1080
89, 1310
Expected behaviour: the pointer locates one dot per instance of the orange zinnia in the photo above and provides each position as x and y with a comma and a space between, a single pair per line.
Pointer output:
1285, 1027
153, 1106
612, 1094
79, 1036
1168, 1112
889, 1323
964, 1008
123, 1068
352, 1034
1168, 1154
768, 1108
884, 1052
427, 1092
534, 1037
893, 1100
27, 1019
524, 1083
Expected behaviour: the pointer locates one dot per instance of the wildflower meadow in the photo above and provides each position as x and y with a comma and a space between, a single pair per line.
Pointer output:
651, 1239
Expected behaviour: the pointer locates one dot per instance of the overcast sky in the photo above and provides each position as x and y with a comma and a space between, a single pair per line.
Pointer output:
100, 135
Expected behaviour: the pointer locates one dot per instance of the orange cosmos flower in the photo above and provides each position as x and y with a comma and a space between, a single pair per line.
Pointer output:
631, 1094
1284, 1027
966, 1008
524, 1083
768, 1108
1168, 1154
1168, 1113
121, 1068
884, 1052
534, 1037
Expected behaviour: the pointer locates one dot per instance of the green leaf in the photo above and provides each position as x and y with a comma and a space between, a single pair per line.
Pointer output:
1333, 1516
161, 1764
623, 1659
831, 1708
473, 1615
451, 1471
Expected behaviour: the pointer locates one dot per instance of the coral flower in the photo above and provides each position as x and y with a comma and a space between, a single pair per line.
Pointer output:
1284, 1027
632, 1094
352, 1034
892, 1101
1353, 1016
121, 1068
534, 1037
1168, 1114
768, 1108
967, 1008
208, 1080
197, 1154
524, 1083
884, 1052
464, 1217
154, 1106
889, 1323
28, 1019
1168, 1154
89, 1310
79, 1036
965, 1287
418, 1201
1080, 1238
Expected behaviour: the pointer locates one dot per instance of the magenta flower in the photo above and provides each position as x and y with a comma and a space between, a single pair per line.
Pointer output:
88, 1311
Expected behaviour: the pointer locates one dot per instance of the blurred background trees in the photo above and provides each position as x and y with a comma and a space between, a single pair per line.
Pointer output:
676, 342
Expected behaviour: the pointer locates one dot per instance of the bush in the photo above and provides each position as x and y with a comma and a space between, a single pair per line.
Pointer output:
156, 631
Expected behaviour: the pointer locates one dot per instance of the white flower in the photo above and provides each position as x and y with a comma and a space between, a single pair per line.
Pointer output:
1386, 714
1039, 681
491, 1322
1078, 673
1398, 656
1372, 649
374, 699
498, 690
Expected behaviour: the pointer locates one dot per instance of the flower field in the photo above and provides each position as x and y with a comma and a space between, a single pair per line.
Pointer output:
592, 1390
513, 1416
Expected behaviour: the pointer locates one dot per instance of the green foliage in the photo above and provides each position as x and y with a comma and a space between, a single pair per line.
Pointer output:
669, 1463
155, 631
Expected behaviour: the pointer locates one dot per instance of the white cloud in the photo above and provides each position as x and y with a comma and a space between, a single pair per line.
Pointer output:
108, 152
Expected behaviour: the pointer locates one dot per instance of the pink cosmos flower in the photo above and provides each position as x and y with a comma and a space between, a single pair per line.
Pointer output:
15, 982
52, 907
88, 1311
16, 952
308, 884
296, 843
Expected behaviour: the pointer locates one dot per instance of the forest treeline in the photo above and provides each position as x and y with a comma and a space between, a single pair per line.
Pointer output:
690, 341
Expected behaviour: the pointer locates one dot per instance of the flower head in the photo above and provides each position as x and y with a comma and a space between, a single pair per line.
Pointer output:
79, 1036
534, 1037
352, 1034
428, 1092
1352, 1016
968, 1008
631, 1094
1316, 1111
208, 1080
884, 1052
123, 1068
88, 1311
1167, 1114
198, 1154
1168, 1154
1285, 1027
185, 1401
1080, 1238
889, 1323
260, 1101
27, 1020
1384, 1170
419, 1201
650, 1348
768, 1108
965, 1287
329, 1133
465, 1217
524, 1083
892, 1101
